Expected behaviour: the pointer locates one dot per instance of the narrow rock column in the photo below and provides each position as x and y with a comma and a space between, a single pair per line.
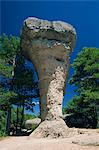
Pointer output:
48, 45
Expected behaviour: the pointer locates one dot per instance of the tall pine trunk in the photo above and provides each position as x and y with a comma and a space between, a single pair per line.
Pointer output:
97, 111
22, 115
8, 122
17, 121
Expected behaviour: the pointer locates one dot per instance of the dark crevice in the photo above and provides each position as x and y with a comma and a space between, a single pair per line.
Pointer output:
59, 59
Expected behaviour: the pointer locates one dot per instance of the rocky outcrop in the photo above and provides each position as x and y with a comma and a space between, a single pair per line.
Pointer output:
48, 45
31, 123
51, 129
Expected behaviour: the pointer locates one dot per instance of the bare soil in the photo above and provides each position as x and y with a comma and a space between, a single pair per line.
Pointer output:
86, 140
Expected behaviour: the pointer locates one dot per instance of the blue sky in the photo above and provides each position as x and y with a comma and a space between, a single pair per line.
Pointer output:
83, 15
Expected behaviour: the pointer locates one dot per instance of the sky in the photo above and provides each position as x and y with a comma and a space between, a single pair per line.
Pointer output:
82, 14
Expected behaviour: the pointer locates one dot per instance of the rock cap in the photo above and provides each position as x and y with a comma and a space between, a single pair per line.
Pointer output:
38, 24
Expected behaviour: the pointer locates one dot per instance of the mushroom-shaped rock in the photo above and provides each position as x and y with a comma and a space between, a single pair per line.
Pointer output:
48, 45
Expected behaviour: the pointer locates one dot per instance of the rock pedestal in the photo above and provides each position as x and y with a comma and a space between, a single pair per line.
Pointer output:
48, 45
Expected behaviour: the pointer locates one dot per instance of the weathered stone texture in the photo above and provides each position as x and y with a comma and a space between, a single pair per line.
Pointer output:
48, 45
51, 129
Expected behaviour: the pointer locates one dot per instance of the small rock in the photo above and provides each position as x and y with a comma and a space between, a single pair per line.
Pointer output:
29, 124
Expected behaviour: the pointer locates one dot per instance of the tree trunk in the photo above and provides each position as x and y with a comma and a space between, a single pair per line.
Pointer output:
22, 116
17, 113
8, 122
97, 111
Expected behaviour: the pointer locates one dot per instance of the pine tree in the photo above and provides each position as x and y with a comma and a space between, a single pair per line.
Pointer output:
86, 79
15, 80
8, 49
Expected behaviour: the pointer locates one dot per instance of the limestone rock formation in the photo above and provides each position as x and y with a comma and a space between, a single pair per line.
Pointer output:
48, 45
32, 122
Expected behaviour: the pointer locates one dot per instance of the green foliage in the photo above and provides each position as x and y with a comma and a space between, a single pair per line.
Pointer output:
2, 123
86, 73
6, 97
24, 79
17, 82
86, 78
28, 116
9, 47
14, 115
8, 50
34, 127
86, 70
5, 69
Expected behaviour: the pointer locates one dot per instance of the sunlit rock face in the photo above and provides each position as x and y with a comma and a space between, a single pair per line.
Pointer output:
48, 45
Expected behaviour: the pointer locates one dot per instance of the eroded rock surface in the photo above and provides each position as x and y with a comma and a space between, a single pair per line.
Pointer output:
48, 45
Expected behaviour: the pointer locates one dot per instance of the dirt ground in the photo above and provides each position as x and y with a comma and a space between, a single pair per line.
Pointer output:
71, 143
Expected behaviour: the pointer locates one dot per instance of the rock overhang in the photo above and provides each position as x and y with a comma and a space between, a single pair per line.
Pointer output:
59, 31
59, 26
